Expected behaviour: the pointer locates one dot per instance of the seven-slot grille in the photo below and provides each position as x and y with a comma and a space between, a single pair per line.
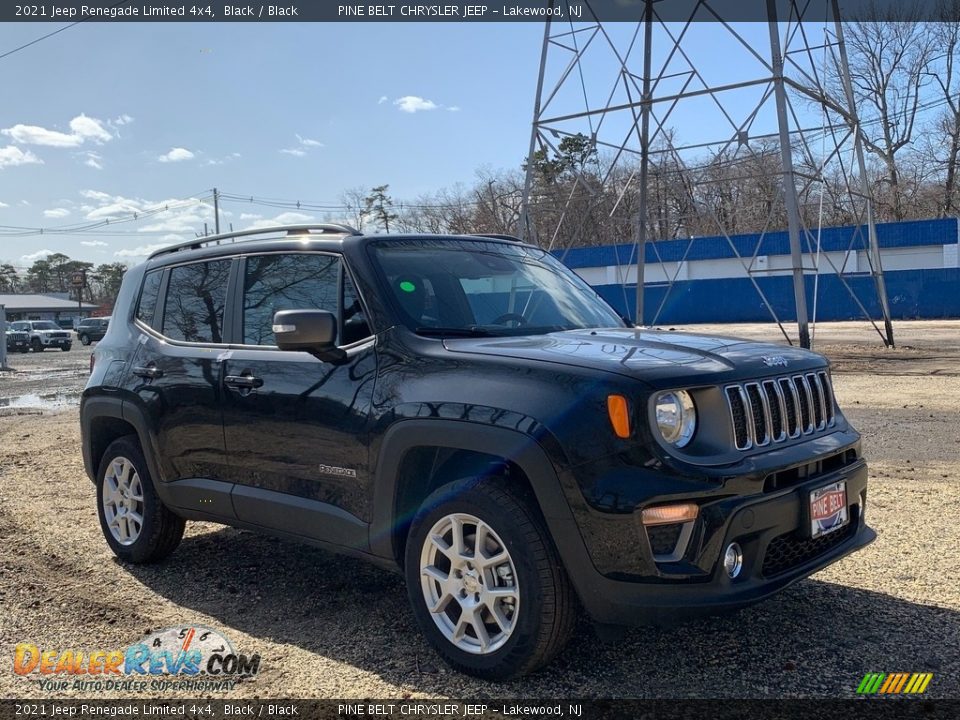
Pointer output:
773, 410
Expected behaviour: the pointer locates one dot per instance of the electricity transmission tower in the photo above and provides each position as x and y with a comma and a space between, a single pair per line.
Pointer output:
683, 99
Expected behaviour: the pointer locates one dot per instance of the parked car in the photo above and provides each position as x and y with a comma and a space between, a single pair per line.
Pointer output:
44, 334
17, 340
466, 411
91, 329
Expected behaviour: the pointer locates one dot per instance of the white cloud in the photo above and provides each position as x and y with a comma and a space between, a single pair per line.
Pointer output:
95, 195
303, 144
93, 243
3, 204
11, 156
284, 218
250, 216
141, 251
82, 129
37, 255
181, 217
176, 154
122, 120
412, 104
93, 160
453, 108
56, 213
382, 100
89, 128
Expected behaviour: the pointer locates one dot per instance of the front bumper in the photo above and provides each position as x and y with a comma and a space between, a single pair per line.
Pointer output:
769, 529
56, 342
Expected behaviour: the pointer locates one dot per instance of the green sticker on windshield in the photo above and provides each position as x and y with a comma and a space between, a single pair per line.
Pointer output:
407, 286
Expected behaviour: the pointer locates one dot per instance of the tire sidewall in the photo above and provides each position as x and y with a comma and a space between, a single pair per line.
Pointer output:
84, 340
459, 497
141, 548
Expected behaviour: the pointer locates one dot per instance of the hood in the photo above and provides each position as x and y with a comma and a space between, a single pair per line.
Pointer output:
660, 358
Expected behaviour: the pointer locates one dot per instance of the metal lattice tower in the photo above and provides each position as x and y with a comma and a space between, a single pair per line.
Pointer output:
644, 109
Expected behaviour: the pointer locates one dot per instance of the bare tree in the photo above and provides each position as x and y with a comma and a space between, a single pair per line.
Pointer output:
889, 61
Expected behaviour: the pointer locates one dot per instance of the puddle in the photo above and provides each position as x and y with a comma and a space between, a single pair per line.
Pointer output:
43, 401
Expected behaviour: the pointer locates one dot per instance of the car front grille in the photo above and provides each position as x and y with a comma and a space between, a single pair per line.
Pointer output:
59, 335
789, 551
778, 409
18, 336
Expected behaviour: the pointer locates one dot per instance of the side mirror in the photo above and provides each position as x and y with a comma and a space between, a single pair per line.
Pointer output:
312, 331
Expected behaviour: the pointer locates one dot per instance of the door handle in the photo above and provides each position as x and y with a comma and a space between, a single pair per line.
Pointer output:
150, 371
244, 382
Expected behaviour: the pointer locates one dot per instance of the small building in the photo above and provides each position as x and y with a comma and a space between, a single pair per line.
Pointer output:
56, 306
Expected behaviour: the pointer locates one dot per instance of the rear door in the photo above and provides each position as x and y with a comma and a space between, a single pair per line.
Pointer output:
295, 427
175, 377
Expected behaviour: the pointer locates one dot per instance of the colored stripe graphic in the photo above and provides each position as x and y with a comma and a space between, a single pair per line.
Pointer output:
894, 683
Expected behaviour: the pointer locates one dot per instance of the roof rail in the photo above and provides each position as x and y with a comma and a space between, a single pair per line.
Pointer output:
323, 228
498, 236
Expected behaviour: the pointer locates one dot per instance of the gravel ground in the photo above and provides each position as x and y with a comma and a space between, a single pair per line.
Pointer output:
332, 627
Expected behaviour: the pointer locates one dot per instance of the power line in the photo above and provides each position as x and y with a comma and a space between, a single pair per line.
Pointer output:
55, 32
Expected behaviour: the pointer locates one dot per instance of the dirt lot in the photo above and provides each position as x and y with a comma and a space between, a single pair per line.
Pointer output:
332, 627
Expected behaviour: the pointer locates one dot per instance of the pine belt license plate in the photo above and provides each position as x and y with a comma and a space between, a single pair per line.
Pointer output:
828, 509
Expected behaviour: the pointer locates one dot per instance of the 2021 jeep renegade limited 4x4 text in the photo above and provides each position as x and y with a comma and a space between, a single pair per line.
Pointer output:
468, 411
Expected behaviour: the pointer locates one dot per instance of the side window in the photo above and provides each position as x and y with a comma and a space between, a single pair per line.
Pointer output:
196, 296
355, 325
286, 282
149, 296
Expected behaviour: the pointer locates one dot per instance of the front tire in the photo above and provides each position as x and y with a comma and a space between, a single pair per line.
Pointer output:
36, 345
486, 584
66, 348
138, 527
84, 339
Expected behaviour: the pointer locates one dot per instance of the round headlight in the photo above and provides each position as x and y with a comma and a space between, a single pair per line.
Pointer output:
676, 417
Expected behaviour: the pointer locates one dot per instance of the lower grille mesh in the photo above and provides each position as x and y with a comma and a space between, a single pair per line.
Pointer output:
786, 552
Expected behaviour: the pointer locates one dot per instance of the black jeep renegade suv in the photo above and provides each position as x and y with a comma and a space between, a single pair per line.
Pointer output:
468, 411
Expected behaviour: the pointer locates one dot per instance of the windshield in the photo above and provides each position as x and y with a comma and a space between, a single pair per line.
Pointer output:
480, 288
45, 325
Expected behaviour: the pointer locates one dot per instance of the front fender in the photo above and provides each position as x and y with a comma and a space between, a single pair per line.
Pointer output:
517, 447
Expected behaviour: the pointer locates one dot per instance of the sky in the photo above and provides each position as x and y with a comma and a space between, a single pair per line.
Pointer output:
103, 121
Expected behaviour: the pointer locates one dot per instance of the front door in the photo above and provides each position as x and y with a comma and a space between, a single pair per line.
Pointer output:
294, 426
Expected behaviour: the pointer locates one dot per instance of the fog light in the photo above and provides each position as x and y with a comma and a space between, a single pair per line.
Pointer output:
733, 560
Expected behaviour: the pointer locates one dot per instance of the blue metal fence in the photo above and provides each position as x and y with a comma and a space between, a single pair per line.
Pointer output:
913, 294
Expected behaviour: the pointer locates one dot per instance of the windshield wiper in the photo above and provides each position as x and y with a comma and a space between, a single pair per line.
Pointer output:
472, 331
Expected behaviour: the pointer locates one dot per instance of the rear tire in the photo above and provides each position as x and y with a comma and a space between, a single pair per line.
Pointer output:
138, 527
84, 339
497, 613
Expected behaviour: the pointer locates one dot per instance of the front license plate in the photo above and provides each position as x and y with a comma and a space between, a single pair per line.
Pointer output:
828, 509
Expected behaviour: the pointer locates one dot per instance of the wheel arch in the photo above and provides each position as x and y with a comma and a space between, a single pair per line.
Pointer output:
445, 451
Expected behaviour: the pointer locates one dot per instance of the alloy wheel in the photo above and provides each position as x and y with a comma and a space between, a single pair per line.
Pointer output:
123, 501
469, 584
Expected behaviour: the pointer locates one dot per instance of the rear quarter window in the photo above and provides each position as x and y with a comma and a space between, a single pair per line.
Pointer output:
148, 297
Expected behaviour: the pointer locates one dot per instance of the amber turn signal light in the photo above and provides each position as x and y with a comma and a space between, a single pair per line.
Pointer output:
669, 514
619, 413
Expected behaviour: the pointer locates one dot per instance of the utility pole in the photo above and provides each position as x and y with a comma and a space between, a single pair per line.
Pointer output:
216, 212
